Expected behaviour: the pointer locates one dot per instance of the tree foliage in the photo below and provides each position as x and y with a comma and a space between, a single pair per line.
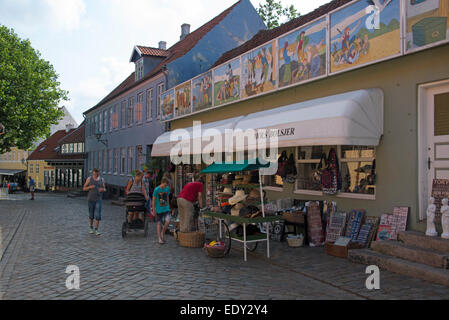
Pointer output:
273, 13
29, 93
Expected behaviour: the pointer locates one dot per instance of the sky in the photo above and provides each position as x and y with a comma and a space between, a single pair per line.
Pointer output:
89, 42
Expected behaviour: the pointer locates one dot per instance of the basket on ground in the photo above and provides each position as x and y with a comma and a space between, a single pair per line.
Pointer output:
191, 239
295, 242
215, 251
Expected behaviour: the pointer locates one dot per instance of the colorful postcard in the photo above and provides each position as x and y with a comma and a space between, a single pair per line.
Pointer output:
168, 105
361, 35
227, 82
259, 71
427, 22
302, 54
202, 92
384, 233
183, 99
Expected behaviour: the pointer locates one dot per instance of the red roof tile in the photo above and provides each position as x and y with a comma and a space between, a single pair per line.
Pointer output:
154, 52
76, 136
176, 51
264, 36
46, 150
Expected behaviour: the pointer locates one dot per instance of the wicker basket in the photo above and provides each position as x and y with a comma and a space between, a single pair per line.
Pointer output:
295, 242
191, 239
215, 252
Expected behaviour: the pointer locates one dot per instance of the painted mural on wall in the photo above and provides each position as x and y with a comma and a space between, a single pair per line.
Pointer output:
302, 54
354, 40
427, 22
259, 71
168, 105
227, 83
183, 104
202, 92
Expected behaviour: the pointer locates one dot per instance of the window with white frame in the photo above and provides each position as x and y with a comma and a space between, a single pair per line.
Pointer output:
130, 111
160, 89
130, 159
122, 160
31, 168
110, 160
149, 105
105, 121
100, 122
123, 114
37, 168
139, 69
357, 169
110, 118
116, 161
105, 161
139, 108
115, 117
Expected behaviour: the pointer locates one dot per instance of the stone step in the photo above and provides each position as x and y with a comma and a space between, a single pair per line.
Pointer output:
420, 240
398, 249
397, 265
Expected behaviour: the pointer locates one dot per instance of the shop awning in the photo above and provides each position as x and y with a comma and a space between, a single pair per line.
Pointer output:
247, 165
353, 118
8, 172
164, 143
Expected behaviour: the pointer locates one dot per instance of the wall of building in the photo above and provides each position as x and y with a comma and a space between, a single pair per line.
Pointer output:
38, 177
397, 154
239, 26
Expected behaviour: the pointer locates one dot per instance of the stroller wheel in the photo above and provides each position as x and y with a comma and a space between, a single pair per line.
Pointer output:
124, 229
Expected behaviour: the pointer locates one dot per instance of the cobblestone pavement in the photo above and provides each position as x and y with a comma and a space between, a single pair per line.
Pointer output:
41, 238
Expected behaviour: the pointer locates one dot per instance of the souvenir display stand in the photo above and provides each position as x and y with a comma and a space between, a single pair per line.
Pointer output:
245, 239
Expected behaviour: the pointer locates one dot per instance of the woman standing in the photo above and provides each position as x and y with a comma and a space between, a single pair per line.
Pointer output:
136, 185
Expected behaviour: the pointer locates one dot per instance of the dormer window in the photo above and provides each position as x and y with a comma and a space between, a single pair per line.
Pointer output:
139, 69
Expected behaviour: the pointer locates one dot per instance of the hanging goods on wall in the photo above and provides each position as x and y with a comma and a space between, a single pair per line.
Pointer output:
316, 174
282, 163
290, 170
331, 178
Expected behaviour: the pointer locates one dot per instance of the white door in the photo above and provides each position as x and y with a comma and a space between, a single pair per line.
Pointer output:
437, 135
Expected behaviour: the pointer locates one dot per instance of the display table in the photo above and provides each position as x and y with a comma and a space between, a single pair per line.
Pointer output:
246, 221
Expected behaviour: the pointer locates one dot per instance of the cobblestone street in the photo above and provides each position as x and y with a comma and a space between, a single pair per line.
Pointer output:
40, 238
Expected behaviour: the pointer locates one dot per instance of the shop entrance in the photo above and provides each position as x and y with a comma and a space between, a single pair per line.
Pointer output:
434, 136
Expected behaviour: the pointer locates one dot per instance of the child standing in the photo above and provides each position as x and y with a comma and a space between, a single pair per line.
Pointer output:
161, 207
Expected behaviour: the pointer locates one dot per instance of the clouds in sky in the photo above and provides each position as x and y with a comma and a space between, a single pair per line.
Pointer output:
89, 42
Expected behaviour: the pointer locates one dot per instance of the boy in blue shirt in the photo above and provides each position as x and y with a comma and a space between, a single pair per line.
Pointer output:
161, 207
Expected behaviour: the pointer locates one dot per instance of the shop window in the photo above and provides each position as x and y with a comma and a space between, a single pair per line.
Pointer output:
274, 181
357, 169
122, 161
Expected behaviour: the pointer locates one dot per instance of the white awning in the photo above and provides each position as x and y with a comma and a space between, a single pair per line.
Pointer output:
10, 172
352, 118
214, 130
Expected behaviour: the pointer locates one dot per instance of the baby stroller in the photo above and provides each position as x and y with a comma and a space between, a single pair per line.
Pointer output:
135, 202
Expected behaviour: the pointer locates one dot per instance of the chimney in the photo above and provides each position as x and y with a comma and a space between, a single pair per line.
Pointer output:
163, 45
68, 127
185, 30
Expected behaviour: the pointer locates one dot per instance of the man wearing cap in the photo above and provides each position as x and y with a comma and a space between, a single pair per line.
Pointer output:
191, 193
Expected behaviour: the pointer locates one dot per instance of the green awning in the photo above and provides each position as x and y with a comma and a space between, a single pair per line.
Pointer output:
247, 165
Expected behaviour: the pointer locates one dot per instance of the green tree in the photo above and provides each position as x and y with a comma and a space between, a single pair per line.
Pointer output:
273, 13
29, 93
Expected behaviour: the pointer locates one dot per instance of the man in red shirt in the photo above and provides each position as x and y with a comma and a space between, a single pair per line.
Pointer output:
191, 193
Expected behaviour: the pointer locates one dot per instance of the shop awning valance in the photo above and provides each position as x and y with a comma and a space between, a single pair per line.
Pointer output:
352, 118
246, 165
10, 172
164, 143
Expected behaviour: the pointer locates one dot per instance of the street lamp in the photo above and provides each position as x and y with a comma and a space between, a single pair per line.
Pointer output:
98, 136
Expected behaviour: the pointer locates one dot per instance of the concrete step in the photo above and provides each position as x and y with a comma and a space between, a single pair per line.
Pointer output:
397, 249
420, 240
397, 265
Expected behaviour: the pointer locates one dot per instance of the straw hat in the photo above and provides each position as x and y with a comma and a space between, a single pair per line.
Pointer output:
238, 197
225, 192
254, 194
239, 210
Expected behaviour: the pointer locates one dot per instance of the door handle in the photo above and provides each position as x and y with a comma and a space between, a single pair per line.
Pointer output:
429, 163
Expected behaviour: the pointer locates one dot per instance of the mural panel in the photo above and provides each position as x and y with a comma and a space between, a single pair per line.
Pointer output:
427, 22
302, 54
202, 92
168, 105
227, 83
183, 99
357, 38
259, 71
